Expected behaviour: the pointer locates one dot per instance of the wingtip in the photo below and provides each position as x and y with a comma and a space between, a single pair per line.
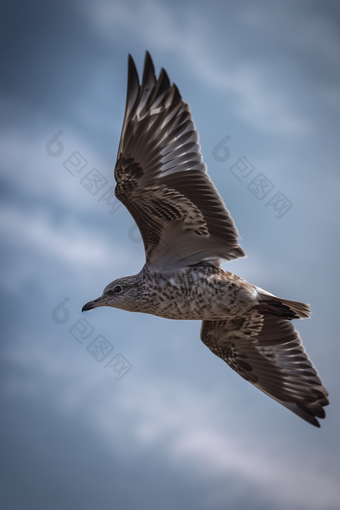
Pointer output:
132, 67
149, 68
311, 413
164, 78
177, 94
133, 85
147, 60
313, 422
130, 60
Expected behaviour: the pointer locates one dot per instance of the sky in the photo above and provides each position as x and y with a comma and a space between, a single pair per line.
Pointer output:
174, 427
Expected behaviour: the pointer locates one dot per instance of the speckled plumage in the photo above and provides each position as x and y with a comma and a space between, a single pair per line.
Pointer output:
194, 293
187, 230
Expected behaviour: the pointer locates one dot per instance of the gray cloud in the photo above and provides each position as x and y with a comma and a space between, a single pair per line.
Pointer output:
181, 430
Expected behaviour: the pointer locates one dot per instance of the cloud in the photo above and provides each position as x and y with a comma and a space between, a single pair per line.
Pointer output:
261, 101
36, 249
68, 243
176, 419
311, 30
176, 407
29, 170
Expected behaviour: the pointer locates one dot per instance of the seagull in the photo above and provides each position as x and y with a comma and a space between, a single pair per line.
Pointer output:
187, 231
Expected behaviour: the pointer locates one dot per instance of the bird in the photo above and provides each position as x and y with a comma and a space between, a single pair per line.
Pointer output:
187, 233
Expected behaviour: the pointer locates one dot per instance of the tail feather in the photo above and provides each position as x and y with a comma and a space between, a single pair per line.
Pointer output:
282, 307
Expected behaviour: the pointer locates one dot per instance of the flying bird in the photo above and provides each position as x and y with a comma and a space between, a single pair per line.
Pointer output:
187, 231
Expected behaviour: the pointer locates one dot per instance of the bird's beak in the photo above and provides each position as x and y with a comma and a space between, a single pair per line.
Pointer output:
94, 304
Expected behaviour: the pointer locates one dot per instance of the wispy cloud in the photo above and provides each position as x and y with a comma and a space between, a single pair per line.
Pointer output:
261, 101
180, 422
67, 243
312, 32
270, 73
31, 171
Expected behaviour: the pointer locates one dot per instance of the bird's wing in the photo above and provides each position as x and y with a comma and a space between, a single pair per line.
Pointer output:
163, 182
267, 351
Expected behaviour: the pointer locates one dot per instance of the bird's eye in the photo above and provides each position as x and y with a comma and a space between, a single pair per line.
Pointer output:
118, 289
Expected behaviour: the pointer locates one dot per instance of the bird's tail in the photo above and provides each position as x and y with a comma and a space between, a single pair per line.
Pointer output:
282, 307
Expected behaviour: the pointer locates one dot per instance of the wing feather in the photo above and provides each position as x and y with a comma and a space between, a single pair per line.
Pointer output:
267, 351
162, 179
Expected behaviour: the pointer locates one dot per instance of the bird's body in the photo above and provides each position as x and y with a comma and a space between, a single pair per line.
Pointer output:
193, 293
187, 231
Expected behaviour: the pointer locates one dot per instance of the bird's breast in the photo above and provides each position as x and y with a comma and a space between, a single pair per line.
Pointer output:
197, 294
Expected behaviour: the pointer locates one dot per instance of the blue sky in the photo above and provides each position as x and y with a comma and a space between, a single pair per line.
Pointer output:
181, 429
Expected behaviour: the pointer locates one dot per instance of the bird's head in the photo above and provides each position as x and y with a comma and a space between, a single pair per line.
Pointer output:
122, 293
